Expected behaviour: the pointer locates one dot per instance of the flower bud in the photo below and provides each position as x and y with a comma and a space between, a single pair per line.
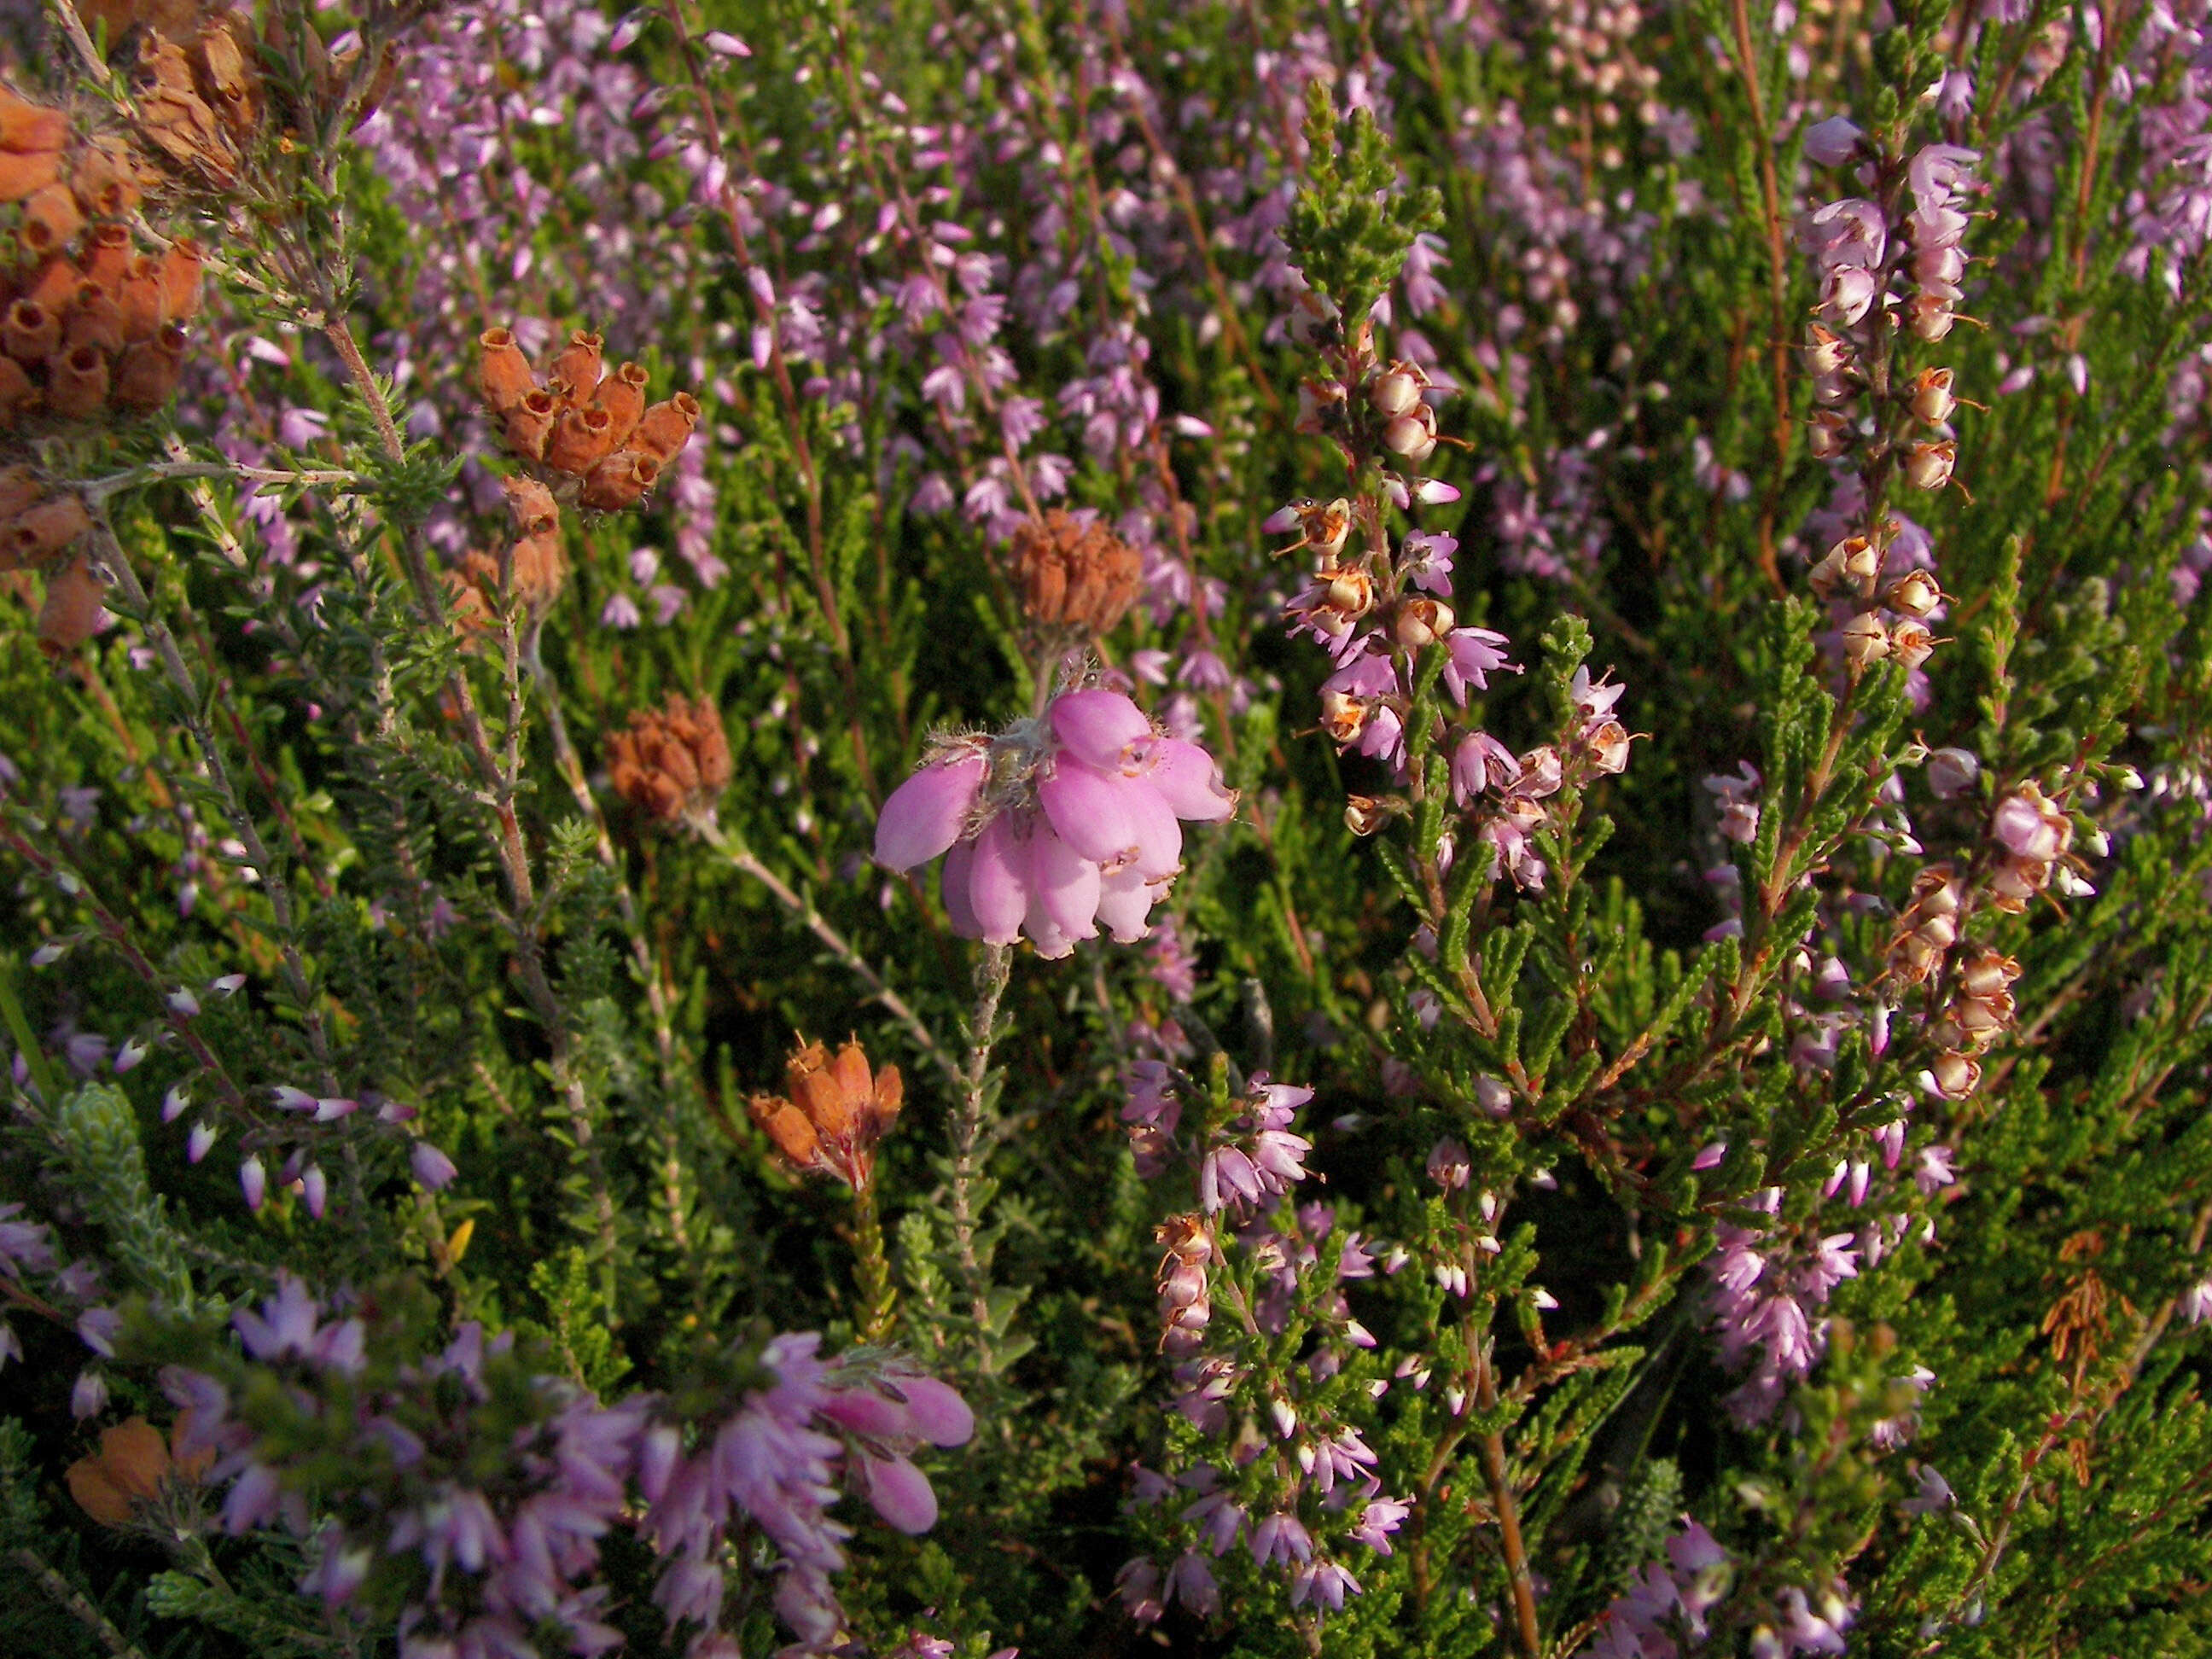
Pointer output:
1865, 640
1829, 434
139, 295
1364, 814
41, 533
94, 321
50, 220
1951, 772
1833, 143
30, 333
1930, 317
19, 395
77, 383
1932, 402
71, 612
1350, 590
578, 440
1421, 622
578, 367
106, 256
20, 490
1606, 743
1411, 437
619, 481
1913, 594
180, 281
1828, 352
29, 129
504, 373
23, 175
1928, 465
148, 371
622, 394
667, 427
1396, 390
1343, 716
1912, 644
1956, 1077
531, 424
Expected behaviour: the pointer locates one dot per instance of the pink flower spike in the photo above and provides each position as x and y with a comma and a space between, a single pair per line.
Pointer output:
925, 815
900, 1492
1099, 728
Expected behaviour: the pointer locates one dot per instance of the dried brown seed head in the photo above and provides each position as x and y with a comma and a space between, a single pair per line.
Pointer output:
833, 1111
672, 761
1074, 574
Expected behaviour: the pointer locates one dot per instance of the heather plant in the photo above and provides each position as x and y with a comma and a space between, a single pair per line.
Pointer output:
1069, 828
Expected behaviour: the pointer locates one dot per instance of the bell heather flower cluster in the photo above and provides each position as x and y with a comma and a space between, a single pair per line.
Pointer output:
1058, 823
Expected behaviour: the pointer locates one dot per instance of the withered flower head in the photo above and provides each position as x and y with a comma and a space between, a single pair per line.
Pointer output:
591, 430
1074, 574
89, 324
673, 761
835, 1112
131, 1469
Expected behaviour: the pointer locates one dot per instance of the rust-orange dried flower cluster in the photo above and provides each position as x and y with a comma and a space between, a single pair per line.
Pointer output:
42, 530
537, 566
673, 761
582, 423
832, 1112
199, 98
1074, 574
90, 324
131, 1469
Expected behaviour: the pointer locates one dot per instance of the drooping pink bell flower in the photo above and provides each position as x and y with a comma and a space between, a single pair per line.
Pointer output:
1057, 826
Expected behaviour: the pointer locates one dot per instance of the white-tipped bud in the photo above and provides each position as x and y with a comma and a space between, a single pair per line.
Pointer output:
1930, 317
1912, 644
1865, 640
1914, 594
1351, 591
1411, 437
1932, 402
1396, 390
1928, 465
1421, 622
1828, 352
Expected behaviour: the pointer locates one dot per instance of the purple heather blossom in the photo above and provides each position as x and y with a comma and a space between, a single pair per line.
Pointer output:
1078, 825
